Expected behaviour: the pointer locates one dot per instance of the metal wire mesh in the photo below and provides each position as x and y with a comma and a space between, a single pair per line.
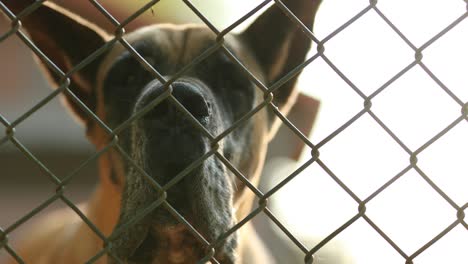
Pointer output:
262, 206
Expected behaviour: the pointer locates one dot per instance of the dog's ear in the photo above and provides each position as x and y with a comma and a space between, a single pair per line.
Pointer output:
280, 45
66, 40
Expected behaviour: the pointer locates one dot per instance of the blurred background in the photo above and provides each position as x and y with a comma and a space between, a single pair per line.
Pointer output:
363, 156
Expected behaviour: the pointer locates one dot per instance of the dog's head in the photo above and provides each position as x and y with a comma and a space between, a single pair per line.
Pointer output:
164, 140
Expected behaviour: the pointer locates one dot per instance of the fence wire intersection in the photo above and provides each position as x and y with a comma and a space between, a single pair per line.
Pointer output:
262, 206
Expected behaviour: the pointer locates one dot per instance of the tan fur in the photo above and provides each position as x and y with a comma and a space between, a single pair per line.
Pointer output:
48, 241
64, 227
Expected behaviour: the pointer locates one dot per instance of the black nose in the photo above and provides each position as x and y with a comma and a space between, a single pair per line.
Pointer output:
188, 94
192, 99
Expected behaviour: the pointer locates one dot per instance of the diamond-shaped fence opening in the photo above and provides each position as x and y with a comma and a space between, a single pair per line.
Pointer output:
410, 224
380, 63
343, 107
322, 215
379, 156
394, 107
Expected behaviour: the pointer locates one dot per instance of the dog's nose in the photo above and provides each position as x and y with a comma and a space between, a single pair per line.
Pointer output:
189, 95
192, 99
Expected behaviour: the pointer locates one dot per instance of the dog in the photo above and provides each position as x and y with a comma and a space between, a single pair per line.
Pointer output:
164, 140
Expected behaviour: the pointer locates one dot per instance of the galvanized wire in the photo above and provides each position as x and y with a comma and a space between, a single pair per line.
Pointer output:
262, 206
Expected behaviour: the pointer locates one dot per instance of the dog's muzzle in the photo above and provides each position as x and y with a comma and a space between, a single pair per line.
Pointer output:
165, 141
169, 138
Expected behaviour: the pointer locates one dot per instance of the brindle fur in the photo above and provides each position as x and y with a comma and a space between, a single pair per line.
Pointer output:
163, 142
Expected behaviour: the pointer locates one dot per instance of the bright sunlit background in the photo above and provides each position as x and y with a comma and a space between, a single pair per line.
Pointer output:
363, 156
414, 107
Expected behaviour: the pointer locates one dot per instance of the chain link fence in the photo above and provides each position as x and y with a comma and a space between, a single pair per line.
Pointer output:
262, 206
